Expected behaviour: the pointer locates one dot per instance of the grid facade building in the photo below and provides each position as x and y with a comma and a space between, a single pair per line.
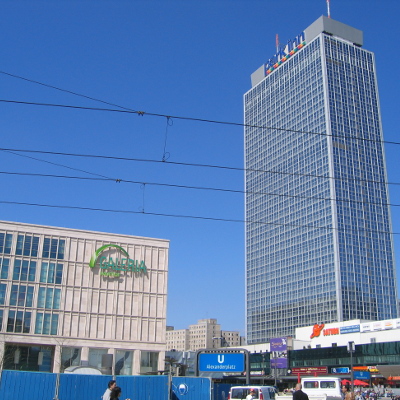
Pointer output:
73, 298
318, 232
206, 334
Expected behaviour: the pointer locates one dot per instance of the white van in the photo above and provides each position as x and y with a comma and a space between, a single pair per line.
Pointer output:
260, 392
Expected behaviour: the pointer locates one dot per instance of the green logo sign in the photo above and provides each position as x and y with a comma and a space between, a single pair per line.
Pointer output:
111, 267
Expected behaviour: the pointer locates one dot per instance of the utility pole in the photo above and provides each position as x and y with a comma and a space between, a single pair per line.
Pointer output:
351, 349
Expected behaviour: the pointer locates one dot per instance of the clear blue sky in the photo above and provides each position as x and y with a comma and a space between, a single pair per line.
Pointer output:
180, 58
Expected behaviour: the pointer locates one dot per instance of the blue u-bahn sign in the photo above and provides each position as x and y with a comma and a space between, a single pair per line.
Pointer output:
221, 362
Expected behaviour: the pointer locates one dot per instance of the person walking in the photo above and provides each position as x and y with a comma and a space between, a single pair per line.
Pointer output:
111, 385
299, 394
115, 393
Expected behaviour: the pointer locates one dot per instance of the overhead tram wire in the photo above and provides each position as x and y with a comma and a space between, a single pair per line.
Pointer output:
176, 117
171, 185
188, 216
143, 113
194, 165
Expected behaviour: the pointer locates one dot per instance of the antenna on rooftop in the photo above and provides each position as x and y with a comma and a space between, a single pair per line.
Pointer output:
277, 42
329, 8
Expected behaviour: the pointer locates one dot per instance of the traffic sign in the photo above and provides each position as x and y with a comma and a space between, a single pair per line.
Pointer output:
221, 362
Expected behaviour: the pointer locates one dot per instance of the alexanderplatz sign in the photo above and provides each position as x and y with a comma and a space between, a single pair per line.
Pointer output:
218, 360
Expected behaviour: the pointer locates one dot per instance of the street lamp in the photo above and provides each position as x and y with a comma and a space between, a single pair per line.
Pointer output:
351, 349
274, 357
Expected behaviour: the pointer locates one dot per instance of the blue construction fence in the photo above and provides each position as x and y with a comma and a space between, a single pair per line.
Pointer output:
19, 385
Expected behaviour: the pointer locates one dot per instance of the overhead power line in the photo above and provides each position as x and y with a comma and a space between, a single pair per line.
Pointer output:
127, 109
187, 216
169, 117
240, 169
171, 185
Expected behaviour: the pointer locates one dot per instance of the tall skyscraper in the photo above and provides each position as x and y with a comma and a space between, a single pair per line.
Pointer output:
318, 234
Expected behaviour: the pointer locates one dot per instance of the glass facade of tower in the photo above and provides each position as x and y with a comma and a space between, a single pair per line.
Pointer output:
318, 242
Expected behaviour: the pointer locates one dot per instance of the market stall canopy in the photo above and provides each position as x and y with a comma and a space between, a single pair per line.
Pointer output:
357, 382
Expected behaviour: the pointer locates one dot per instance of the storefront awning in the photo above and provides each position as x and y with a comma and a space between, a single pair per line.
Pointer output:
389, 370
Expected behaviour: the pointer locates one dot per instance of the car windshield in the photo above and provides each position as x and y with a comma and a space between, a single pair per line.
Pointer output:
241, 393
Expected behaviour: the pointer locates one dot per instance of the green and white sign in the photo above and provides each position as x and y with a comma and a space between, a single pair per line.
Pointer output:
113, 267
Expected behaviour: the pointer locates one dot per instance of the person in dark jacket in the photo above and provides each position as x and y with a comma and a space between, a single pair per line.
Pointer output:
299, 394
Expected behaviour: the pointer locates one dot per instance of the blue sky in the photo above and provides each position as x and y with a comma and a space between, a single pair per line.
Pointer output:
178, 58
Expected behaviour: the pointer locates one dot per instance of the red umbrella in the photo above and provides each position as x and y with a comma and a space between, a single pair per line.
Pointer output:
345, 382
357, 382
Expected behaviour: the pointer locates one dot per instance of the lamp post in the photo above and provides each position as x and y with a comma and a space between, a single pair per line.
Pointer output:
351, 350
274, 358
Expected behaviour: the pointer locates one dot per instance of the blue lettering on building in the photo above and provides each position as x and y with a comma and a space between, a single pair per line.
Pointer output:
284, 53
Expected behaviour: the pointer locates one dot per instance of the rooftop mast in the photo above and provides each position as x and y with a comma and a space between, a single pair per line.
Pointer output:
329, 8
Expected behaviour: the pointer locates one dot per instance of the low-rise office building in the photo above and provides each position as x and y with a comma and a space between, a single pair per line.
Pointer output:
206, 334
81, 298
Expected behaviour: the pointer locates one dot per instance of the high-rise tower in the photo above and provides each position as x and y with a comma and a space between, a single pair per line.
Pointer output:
318, 234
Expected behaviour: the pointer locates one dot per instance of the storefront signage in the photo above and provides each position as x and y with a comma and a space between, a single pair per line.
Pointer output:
285, 53
309, 370
331, 331
278, 352
366, 368
113, 267
278, 344
340, 370
317, 329
388, 325
349, 329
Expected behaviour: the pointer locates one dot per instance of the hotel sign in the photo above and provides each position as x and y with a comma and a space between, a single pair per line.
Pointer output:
284, 53
113, 267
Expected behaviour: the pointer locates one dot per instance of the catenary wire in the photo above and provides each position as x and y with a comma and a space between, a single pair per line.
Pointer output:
168, 116
216, 189
195, 165
142, 113
187, 216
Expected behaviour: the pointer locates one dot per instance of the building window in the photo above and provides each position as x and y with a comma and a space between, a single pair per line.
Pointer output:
27, 245
373, 340
4, 265
3, 288
53, 248
95, 357
18, 321
46, 324
148, 361
70, 356
123, 362
21, 296
28, 358
51, 273
24, 270
49, 298
5, 243
1, 320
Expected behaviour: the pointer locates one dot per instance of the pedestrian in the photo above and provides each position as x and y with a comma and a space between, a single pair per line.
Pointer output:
111, 386
115, 393
346, 393
298, 394
251, 395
